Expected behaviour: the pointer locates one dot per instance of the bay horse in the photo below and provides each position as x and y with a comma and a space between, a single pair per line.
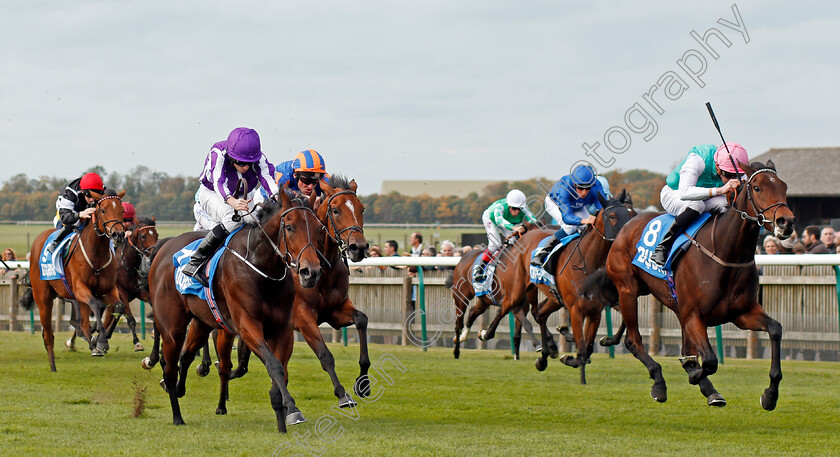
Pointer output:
342, 213
463, 292
715, 281
581, 258
253, 296
90, 273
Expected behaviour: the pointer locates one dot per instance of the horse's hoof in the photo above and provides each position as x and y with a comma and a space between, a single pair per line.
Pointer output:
565, 359
221, 411
541, 364
139, 347
202, 370
606, 341
538, 349
463, 336
295, 418
146, 363
515, 356
96, 352
482, 335
69, 343
346, 402
659, 395
119, 308
554, 354
163, 386
768, 403
716, 399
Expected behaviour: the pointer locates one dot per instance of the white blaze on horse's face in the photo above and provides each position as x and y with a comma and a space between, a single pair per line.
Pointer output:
349, 204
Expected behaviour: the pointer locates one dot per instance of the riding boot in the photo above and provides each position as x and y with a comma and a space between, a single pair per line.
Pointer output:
62, 234
478, 272
203, 252
681, 222
540, 258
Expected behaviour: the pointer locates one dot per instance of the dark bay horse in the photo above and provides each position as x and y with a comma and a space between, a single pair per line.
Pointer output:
715, 281
133, 255
253, 291
463, 291
582, 257
342, 213
90, 272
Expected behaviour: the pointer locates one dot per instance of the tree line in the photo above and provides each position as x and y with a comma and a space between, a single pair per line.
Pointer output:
171, 198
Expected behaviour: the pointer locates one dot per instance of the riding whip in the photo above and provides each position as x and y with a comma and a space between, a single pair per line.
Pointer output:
717, 126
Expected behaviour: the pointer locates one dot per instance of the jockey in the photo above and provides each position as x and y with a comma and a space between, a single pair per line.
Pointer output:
240, 157
571, 201
129, 213
76, 203
693, 187
502, 218
304, 173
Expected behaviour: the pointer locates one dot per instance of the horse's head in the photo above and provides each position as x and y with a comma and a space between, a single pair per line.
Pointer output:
145, 236
763, 198
617, 211
108, 217
343, 214
299, 230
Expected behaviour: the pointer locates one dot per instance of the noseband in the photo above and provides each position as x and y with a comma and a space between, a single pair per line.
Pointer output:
759, 217
109, 224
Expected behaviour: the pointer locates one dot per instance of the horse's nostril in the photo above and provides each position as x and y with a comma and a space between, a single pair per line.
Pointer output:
304, 272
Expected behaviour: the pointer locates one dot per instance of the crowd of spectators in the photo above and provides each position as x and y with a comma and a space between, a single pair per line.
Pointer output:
814, 240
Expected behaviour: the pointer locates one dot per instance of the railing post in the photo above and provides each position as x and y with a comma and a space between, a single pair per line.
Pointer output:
13, 304
837, 288
564, 319
421, 298
512, 324
406, 309
143, 319
608, 315
344, 336
655, 327
719, 339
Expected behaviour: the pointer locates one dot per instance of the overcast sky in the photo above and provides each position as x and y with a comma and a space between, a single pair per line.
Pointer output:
462, 89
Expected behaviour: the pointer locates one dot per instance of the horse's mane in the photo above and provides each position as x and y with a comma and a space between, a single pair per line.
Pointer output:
143, 221
340, 182
110, 193
271, 206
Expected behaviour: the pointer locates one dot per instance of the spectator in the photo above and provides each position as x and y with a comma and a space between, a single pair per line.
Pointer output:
391, 248
466, 249
811, 240
827, 237
374, 251
836, 246
772, 245
799, 248
9, 254
447, 249
416, 242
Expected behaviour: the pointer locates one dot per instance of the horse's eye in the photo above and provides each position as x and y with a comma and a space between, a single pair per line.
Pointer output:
288, 228
756, 188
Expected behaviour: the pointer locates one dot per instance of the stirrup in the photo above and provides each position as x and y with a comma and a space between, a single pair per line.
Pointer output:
52, 247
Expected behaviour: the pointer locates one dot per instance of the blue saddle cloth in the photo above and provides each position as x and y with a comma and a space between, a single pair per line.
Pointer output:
486, 286
187, 284
538, 274
52, 263
652, 235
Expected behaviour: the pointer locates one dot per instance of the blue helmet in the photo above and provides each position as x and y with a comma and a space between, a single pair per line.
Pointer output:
583, 176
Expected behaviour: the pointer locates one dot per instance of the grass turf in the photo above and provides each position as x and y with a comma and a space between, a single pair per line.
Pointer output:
483, 404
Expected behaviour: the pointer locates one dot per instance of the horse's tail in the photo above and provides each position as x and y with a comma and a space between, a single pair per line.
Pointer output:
146, 266
598, 286
26, 300
450, 279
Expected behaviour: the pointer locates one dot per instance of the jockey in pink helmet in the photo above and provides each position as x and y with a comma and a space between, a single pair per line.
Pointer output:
694, 187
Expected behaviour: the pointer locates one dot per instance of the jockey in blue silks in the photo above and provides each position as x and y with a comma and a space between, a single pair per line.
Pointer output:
571, 201
304, 174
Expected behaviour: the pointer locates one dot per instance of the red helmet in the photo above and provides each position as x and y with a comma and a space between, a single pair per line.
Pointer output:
128, 211
92, 181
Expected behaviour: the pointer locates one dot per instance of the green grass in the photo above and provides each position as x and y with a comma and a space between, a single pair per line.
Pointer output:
483, 404
20, 237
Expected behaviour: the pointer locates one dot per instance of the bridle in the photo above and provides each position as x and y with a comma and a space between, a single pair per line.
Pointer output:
342, 245
759, 218
107, 225
144, 253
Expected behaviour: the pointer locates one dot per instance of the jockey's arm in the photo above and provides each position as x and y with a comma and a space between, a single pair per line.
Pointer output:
689, 174
499, 216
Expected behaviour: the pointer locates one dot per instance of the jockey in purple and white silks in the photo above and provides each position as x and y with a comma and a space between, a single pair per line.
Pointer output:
694, 187
240, 157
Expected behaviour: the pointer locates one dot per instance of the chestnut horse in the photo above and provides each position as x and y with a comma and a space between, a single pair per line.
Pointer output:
715, 282
463, 291
90, 272
582, 257
253, 293
342, 213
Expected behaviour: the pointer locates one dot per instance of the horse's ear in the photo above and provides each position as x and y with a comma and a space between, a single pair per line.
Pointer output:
747, 169
154, 219
312, 197
622, 197
121, 194
353, 185
603, 200
326, 188
771, 165
284, 196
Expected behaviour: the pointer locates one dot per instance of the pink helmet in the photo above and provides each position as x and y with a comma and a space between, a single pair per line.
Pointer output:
739, 155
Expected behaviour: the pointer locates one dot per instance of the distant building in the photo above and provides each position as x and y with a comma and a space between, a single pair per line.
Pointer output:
813, 179
435, 188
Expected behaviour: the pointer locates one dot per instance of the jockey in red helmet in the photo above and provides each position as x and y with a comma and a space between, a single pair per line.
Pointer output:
75, 203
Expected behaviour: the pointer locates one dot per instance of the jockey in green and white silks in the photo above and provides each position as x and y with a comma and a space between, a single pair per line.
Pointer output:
694, 187
501, 219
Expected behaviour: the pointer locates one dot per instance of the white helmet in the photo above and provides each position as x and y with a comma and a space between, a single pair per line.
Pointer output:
515, 199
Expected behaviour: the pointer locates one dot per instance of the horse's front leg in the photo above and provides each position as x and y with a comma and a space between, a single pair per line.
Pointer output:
756, 320
691, 365
307, 324
196, 338
629, 304
695, 332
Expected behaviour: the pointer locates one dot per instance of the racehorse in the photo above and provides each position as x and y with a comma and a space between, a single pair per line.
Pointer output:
715, 281
342, 213
90, 272
253, 293
463, 291
582, 257
133, 254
